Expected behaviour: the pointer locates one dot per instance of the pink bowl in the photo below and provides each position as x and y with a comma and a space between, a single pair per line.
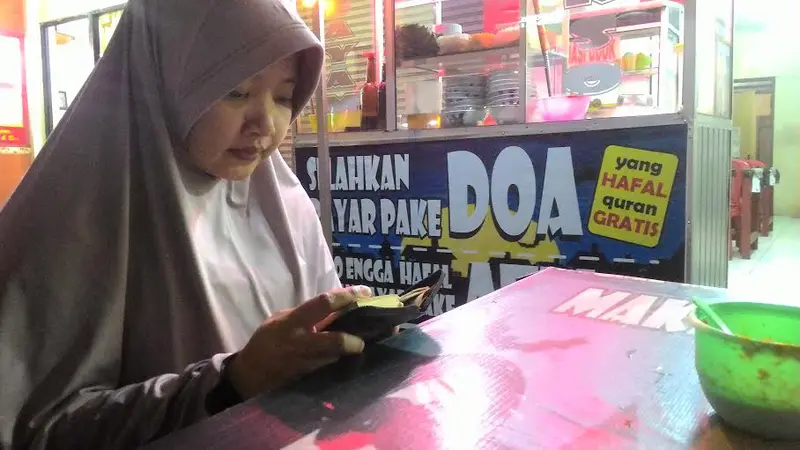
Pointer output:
556, 109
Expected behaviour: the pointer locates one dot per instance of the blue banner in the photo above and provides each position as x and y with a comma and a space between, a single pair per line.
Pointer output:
490, 211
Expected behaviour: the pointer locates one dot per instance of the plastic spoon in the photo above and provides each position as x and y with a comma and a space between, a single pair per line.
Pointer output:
713, 316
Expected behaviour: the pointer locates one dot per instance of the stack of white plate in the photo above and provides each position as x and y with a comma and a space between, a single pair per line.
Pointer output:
504, 88
503, 95
464, 100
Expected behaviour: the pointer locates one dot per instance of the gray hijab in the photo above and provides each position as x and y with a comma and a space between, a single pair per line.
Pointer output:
111, 333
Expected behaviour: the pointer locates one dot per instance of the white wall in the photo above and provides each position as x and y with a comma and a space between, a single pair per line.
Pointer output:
764, 47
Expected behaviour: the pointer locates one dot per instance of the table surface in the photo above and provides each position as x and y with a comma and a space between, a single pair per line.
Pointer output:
560, 360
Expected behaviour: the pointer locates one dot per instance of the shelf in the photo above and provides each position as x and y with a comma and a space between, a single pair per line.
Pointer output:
641, 30
634, 31
618, 8
641, 73
476, 61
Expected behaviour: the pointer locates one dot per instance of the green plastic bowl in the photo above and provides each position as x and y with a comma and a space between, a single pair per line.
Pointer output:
752, 379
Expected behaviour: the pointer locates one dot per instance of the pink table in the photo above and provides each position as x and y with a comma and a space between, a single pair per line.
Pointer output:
559, 360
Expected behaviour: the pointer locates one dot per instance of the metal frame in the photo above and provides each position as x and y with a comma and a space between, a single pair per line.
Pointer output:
689, 99
93, 18
702, 160
380, 137
523, 62
708, 175
99, 12
663, 41
733, 38
687, 109
391, 65
768, 82
46, 82
323, 149
94, 36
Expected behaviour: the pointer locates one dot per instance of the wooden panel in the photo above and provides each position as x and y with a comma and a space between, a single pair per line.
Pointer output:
763, 105
745, 119
765, 134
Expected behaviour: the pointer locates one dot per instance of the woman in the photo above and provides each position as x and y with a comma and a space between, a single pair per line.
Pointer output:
159, 228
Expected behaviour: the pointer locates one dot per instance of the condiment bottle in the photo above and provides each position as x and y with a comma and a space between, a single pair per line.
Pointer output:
369, 97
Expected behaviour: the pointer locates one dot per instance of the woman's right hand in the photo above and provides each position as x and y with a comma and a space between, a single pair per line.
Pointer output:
288, 345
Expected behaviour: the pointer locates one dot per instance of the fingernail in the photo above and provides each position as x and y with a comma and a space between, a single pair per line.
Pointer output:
339, 300
362, 291
352, 344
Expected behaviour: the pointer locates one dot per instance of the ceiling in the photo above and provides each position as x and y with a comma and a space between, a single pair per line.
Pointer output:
761, 15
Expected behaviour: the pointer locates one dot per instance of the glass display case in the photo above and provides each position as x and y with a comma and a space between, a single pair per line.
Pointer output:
713, 57
476, 62
353, 30
467, 63
526, 133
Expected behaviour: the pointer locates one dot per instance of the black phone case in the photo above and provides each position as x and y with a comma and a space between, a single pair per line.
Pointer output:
374, 324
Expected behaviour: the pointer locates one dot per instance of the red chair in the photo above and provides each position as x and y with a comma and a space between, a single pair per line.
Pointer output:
762, 201
741, 209
735, 205
772, 179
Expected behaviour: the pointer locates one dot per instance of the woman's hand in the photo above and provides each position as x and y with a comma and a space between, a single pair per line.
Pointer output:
288, 345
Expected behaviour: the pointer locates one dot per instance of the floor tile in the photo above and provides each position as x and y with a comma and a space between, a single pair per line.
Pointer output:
773, 271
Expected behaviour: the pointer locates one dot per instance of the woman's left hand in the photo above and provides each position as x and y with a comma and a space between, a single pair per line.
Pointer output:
290, 344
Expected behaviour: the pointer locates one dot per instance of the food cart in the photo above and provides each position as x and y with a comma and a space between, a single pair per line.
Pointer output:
493, 138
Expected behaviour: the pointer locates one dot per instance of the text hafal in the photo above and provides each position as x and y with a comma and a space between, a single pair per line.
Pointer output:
632, 195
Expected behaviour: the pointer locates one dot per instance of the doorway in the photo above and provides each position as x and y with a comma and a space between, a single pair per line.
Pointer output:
754, 115
70, 49
776, 250
68, 63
